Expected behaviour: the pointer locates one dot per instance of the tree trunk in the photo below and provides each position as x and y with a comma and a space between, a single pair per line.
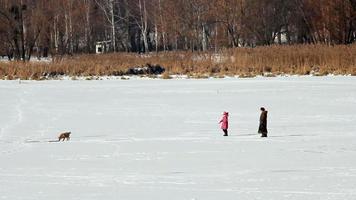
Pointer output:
128, 45
113, 35
56, 34
156, 36
66, 34
22, 32
162, 25
87, 26
71, 45
204, 38
144, 24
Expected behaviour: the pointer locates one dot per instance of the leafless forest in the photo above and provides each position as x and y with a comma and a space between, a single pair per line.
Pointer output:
68, 28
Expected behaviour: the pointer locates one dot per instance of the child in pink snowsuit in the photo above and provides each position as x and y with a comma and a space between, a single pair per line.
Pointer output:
224, 123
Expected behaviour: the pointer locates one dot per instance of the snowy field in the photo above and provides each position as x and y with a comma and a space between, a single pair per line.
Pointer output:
160, 139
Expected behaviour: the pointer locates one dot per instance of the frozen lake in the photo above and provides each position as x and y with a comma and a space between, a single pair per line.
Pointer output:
160, 139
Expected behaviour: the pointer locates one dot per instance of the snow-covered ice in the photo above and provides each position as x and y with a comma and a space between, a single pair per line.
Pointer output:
160, 139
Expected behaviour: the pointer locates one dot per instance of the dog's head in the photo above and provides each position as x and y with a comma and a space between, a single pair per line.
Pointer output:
65, 134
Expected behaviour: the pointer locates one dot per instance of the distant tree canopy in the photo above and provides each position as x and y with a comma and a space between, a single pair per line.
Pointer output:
42, 27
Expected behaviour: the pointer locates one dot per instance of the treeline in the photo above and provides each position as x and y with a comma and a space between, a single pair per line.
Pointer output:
62, 27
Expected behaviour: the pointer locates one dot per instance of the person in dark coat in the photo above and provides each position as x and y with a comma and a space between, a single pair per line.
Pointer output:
262, 129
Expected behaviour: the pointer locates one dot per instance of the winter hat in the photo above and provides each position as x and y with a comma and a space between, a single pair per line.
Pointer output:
226, 113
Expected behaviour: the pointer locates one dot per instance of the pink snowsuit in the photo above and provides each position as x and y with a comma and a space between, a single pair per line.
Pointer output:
224, 121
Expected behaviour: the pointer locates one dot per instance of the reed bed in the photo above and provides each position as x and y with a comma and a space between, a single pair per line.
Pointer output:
244, 62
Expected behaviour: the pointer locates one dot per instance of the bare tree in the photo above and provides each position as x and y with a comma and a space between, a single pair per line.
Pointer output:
108, 8
29, 27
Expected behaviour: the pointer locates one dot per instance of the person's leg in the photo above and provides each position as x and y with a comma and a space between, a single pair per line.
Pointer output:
225, 132
262, 128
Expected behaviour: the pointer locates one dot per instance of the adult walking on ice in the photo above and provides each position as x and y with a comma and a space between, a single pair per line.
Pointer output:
262, 129
225, 123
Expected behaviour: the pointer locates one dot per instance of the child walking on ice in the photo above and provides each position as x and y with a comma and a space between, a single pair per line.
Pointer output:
224, 123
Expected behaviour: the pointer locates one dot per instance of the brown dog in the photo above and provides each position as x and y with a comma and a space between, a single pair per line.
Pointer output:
65, 135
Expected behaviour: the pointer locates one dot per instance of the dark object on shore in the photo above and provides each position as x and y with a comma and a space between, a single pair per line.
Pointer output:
148, 69
263, 122
53, 74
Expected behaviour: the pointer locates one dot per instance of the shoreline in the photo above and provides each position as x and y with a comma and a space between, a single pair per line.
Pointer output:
175, 77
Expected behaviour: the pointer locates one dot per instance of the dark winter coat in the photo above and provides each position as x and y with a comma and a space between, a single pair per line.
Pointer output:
263, 123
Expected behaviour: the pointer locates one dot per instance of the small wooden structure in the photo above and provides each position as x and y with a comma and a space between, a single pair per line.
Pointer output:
102, 46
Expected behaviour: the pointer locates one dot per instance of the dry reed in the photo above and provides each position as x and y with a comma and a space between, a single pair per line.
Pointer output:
245, 62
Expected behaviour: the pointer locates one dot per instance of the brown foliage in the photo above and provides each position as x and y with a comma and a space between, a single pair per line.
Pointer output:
246, 62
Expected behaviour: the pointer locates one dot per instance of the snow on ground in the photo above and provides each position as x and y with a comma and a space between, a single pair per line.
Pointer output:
33, 59
160, 139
